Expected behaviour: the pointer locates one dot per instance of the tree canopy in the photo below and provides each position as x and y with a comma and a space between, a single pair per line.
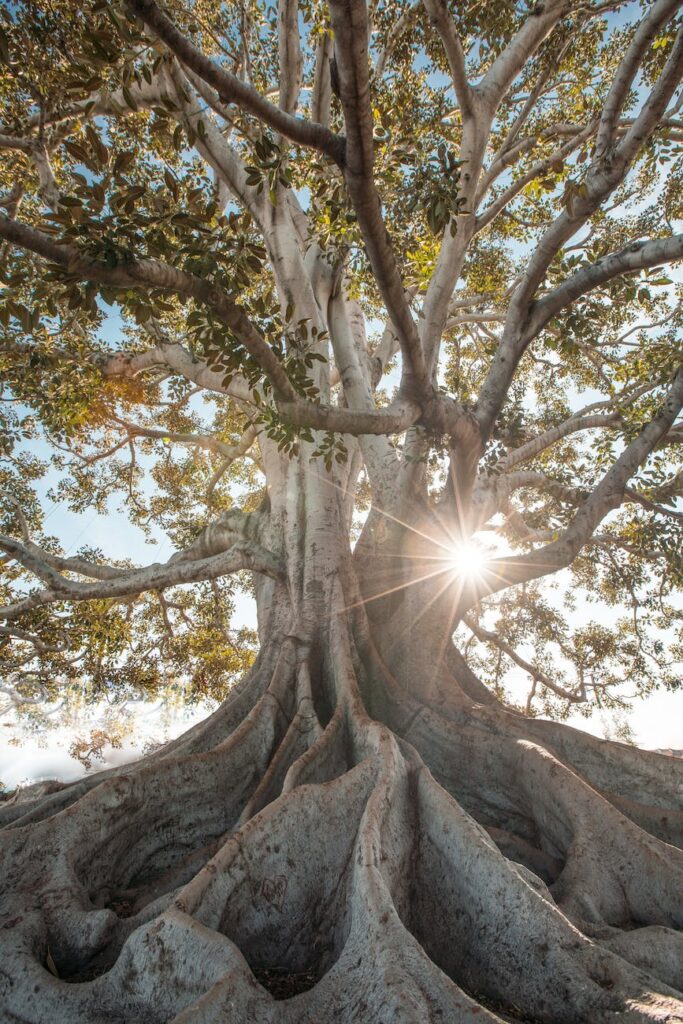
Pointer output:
482, 203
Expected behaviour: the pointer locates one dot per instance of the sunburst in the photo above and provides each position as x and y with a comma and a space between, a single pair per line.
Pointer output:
468, 561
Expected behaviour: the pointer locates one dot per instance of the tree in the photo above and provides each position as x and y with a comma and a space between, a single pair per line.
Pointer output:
393, 275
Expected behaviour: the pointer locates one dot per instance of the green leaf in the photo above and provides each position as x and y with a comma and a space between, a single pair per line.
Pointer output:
128, 97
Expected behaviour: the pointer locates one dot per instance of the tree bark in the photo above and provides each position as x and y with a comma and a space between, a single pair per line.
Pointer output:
360, 833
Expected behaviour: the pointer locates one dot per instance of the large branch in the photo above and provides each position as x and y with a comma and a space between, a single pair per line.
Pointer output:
353, 364
232, 90
549, 437
481, 104
529, 478
606, 496
629, 66
394, 419
443, 23
350, 25
242, 555
321, 95
210, 142
603, 178
36, 559
175, 357
16, 142
153, 274
454, 247
634, 257
509, 64
289, 49
605, 174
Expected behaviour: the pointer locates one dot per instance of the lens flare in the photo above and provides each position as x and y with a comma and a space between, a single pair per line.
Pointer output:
468, 560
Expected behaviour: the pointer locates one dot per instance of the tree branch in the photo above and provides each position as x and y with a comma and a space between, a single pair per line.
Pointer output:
153, 274
242, 555
393, 36
232, 90
321, 97
354, 371
549, 437
289, 50
350, 25
295, 410
645, 33
538, 170
606, 496
440, 18
634, 257
502, 73
206, 441
490, 637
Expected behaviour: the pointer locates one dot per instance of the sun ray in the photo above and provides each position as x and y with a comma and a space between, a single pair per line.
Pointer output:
388, 515
401, 586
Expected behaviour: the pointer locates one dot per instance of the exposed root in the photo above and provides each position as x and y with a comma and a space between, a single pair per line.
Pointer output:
514, 944
39, 802
640, 775
614, 872
296, 860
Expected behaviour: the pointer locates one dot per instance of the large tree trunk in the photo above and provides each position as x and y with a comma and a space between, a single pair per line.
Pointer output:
360, 833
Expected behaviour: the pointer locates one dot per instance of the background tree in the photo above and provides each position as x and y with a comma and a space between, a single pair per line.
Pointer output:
287, 278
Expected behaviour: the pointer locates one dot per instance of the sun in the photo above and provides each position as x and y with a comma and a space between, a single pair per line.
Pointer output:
468, 560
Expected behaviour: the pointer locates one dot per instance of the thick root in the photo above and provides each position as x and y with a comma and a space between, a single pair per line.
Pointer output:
296, 860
